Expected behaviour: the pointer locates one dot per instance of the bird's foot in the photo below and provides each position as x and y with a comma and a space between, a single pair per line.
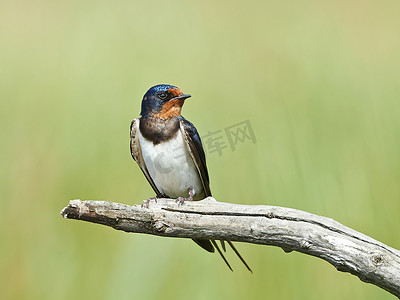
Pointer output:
146, 203
181, 200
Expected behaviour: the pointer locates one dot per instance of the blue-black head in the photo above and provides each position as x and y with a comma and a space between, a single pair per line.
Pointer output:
163, 101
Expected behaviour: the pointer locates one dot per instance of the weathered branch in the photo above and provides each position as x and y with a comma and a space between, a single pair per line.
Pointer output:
290, 229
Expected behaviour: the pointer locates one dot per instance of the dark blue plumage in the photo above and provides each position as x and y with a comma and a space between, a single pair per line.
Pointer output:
154, 100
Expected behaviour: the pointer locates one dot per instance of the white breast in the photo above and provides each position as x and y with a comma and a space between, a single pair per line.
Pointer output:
171, 167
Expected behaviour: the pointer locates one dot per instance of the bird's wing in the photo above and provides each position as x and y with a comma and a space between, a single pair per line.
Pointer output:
136, 152
196, 151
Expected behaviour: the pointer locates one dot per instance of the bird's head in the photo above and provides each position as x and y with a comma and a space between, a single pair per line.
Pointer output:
163, 101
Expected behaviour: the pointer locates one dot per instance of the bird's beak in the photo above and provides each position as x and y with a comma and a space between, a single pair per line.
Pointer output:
183, 96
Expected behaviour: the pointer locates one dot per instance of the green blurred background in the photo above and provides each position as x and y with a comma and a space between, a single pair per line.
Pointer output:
318, 80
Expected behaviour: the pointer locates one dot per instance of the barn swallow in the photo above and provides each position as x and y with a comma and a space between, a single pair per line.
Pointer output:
168, 150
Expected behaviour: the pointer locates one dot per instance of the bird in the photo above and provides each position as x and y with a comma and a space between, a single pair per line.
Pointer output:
168, 150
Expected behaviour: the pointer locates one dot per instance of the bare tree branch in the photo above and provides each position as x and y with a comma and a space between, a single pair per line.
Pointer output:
292, 230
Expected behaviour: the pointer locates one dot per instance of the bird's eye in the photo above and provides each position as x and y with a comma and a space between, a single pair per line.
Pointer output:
162, 96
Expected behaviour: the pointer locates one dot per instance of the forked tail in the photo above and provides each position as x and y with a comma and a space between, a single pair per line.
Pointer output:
209, 245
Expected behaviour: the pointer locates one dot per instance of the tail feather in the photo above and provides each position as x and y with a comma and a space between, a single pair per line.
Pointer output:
240, 257
222, 255
209, 245
205, 244
223, 245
